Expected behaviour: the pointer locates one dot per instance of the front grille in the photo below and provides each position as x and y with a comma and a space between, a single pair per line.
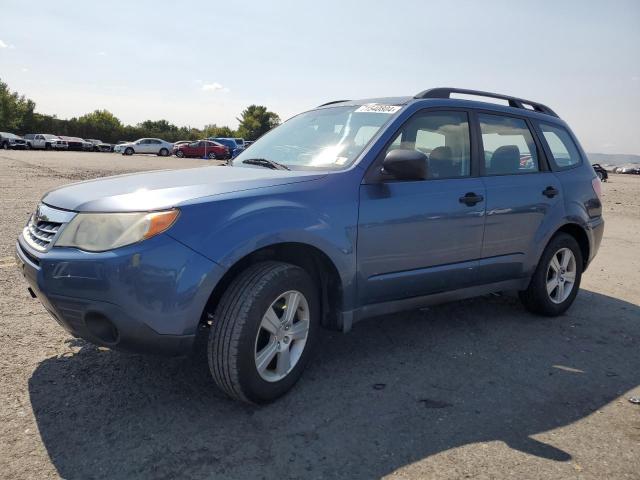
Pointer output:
41, 233
44, 227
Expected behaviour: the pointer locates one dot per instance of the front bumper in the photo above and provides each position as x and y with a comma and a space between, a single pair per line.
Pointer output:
59, 146
148, 297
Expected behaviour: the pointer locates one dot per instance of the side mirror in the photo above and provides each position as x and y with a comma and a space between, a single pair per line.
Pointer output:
405, 164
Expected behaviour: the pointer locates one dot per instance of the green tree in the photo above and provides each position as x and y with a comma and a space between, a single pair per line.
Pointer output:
255, 121
214, 130
16, 112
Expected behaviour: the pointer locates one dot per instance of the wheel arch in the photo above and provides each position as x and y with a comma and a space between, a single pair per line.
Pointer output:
308, 257
580, 234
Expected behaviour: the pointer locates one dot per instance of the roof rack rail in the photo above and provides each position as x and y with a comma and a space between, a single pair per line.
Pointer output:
331, 103
516, 102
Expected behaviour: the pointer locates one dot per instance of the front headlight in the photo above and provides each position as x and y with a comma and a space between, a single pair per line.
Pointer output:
97, 232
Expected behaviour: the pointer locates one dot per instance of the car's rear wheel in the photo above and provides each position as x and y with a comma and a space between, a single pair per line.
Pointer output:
163, 152
556, 281
128, 151
263, 331
180, 154
5, 145
211, 156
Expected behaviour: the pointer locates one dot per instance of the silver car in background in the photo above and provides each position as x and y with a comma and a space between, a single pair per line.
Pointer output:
155, 146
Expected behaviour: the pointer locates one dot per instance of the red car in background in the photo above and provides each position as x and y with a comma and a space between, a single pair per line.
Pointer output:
202, 149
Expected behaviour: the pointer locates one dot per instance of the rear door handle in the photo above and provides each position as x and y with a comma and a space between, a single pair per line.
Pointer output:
471, 198
550, 191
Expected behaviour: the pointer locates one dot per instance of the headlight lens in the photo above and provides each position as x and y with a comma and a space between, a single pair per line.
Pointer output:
97, 232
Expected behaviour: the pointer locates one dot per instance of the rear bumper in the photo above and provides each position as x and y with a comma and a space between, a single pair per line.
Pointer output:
145, 298
596, 231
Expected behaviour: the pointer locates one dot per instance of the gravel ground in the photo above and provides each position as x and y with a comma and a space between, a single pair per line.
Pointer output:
475, 389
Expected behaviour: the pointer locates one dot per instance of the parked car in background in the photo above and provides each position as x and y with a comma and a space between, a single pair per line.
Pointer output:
182, 142
13, 141
45, 141
350, 210
155, 146
100, 146
74, 143
202, 149
628, 169
231, 143
601, 172
247, 144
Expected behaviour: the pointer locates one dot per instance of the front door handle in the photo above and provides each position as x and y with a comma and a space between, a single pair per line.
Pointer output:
470, 199
550, 192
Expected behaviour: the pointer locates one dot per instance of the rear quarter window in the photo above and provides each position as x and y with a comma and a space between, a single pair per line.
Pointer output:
564, 152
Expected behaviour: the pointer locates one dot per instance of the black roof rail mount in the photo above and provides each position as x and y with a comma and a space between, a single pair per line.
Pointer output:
515, 102
331, 103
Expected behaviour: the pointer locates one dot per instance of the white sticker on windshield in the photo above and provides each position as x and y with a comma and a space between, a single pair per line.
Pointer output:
378, 108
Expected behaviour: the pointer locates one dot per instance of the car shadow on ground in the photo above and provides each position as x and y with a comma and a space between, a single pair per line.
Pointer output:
394, 391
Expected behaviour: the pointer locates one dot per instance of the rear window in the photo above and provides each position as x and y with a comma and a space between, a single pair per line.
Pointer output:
562, 147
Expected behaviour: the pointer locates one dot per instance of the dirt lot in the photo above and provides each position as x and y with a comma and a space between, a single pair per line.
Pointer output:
477, 389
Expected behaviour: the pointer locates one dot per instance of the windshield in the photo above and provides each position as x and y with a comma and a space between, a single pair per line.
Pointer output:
325, 138
8, 135
50, 137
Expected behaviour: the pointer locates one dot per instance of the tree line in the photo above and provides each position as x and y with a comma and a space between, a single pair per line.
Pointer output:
17, 115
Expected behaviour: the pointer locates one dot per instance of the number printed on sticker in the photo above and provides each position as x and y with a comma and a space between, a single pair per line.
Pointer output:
378, 108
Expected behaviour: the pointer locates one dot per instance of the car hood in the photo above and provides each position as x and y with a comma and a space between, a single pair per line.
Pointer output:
167, 188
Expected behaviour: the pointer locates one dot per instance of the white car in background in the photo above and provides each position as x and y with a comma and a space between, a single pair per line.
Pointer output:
156, 146
45, 141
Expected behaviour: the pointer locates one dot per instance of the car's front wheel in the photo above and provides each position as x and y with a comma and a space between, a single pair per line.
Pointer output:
211, 156
556, 281
128, 151
263, 331
180, 154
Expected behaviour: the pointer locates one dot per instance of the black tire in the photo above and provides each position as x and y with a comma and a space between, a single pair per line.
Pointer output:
535, 298
236, 323
47, 146
163, 152
600, 176
128, 151
180, 154
211, 156
28, 146
5, 145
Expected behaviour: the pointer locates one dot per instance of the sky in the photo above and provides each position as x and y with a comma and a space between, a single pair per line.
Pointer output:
200, 62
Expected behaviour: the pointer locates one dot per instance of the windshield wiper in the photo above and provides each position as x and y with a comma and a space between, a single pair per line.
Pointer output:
263, 162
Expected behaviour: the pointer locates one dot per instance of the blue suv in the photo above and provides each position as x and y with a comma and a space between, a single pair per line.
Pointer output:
232, 144
347, 211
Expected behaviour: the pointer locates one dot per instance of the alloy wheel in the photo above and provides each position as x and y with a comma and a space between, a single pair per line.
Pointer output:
282, 336
561, 275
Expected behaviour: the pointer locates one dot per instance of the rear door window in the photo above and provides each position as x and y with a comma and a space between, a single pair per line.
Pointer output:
564, 151
509, 148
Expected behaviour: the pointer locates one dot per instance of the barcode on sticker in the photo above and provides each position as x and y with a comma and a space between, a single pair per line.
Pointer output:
378, 108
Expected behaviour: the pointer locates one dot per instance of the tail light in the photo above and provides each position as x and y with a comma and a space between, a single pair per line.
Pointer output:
597, 187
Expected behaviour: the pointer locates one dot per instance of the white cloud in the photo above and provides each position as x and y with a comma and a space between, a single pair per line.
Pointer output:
3, 45
24, 69
102, 54
214, 87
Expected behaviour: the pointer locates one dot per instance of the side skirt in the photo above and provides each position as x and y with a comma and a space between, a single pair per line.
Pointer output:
414, 303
